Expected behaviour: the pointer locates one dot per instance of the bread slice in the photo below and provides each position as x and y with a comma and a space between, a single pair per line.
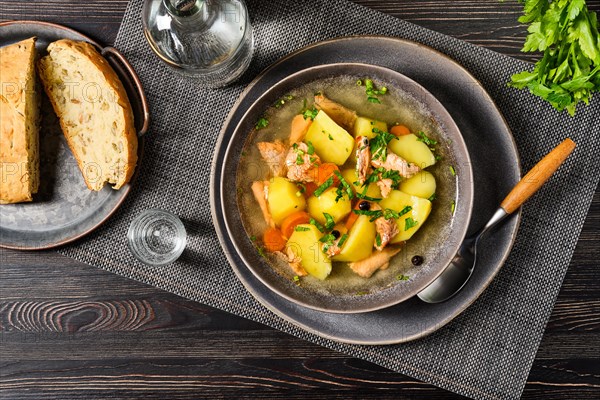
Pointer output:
94, 112
19, 120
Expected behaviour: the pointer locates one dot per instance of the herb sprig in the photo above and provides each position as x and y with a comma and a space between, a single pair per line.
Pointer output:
567, 33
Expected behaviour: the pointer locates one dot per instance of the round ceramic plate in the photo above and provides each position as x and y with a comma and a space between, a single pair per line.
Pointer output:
485, 132
64, 209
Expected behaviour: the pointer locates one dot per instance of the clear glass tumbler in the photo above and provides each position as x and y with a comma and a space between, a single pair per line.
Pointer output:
156, 237
208, 40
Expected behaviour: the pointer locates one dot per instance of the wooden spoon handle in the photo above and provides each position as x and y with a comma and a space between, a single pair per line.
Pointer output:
537, 176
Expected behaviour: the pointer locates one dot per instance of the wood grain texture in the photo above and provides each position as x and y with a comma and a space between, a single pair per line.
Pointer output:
71, 331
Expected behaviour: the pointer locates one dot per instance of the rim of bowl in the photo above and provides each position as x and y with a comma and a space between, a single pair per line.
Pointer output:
438, 110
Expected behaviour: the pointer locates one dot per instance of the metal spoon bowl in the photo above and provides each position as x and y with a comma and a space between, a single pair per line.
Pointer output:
458, 272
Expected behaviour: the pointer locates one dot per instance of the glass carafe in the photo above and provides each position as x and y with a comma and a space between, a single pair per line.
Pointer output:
207, 40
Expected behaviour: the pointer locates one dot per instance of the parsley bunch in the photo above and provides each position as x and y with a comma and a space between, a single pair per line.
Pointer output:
567, 33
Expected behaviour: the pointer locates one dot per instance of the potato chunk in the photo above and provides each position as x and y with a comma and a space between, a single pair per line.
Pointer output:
364, 127
421, 185
305, 244
331, 142
413, 150
326, 203
283, 199
421, 208
359, 244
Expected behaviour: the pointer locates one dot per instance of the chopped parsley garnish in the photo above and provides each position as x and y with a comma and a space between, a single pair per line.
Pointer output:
330, 137
379, 144
343, 239
301, 229
410, 223
452, 170
316, 223
311, 148
363, 195
329, 238
378, 240
361, 293
299, 160
261, 251
261, 123
253, 238
310, 113
387, 213
279, 103
452, 206
432, 197
326, 185
296, 278
404, 211
422, 137
402, 277
345, 185
371, 91
329, 221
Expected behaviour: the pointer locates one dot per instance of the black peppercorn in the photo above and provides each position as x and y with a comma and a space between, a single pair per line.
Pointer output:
364, 206
417, 260
335, 233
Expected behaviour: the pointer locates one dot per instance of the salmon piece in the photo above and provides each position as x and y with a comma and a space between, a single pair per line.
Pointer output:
387, 229
377, 260
299, 128
332, 249
301, 165
341, 115
259, 190
385, 185
396, 163
273, 153
293, 261
363, 158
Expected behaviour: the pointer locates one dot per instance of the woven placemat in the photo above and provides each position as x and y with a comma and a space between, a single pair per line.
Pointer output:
482, 360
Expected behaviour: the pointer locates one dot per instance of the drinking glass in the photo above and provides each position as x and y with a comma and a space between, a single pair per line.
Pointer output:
156, 237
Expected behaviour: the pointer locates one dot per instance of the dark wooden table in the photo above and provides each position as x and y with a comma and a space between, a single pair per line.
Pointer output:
69, 330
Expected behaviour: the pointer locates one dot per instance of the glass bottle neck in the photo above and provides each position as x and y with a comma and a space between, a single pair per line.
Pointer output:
184, 8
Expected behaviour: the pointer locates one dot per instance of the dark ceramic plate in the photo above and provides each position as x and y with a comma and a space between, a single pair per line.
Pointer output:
484, 131
64, 209
437, 241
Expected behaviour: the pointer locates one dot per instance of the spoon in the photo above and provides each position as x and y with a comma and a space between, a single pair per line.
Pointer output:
458, 272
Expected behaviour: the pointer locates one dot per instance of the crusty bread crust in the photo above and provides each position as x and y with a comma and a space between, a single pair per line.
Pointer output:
65, 72
19, 119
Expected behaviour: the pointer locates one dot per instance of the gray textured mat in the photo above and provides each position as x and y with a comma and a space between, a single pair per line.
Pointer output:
485, 353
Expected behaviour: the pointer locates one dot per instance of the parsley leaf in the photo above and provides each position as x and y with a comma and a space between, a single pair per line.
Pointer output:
316, 223
261, 123
329, 221
410, 223
326, 185
569, 71
378, 145
310, 113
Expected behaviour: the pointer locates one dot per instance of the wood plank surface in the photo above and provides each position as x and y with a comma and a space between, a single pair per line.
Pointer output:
71, 331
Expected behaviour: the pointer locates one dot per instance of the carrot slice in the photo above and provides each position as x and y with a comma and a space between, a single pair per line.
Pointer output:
326, 170
399, 130
290, 222
310, 188
352, 217
273, 240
